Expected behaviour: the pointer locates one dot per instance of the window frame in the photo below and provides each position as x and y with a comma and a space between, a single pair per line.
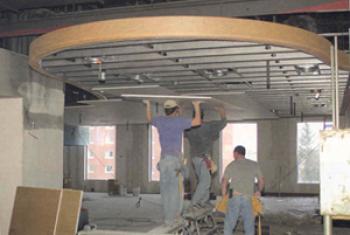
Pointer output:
109, 172
108, 155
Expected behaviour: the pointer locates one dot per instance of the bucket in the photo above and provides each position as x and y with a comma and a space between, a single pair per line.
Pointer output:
136, 191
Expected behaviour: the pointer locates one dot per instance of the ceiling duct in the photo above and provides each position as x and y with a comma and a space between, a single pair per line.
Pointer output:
302, 21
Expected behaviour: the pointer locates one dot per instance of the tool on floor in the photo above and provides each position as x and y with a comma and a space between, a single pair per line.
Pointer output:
138, 203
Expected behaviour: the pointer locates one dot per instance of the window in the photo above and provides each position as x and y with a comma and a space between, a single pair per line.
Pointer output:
154, 153
108, 169
90, 154
110, 136
308, 158
91, 168
109, 155
100, 160
238, 134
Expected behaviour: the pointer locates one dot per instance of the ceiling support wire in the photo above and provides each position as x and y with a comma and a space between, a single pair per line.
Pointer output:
268, 78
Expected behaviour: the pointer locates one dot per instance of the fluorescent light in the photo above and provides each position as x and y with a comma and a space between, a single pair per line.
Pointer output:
99, 101
166, 96
219, 93
123, 87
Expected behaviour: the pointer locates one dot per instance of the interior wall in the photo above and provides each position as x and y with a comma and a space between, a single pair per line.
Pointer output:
11, 145
73, 167
277, 149
43, 106
132, 158
31, 130
277, 156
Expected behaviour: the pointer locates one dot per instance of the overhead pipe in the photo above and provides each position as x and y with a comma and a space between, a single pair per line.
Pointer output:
336, 71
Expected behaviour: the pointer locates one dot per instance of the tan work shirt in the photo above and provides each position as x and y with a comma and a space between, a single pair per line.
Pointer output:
241, 175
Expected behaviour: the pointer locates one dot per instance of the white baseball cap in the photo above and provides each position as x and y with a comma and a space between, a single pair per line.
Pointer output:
169, 104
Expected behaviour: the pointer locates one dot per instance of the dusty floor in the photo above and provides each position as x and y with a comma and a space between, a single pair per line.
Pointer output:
285, 216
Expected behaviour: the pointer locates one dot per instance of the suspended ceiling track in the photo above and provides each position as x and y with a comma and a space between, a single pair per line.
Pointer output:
195, 55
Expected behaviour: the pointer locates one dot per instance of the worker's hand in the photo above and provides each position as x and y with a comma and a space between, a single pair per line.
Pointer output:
257, 194
196, 102
147, 102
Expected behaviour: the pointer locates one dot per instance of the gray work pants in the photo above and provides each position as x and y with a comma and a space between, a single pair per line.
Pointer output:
171, 188
239, 205
201, 195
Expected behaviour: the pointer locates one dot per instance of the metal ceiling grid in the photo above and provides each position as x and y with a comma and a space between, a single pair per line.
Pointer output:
269, 74
274, 67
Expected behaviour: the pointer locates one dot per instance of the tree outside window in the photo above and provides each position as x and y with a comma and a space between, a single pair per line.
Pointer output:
308, 159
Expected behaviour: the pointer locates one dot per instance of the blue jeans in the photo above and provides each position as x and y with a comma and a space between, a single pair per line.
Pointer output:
171, 188
201, 195
239, 205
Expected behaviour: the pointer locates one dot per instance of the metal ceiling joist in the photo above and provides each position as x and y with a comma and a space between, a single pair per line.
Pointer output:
193, 55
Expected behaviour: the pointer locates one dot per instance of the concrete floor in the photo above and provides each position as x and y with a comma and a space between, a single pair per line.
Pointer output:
285, 216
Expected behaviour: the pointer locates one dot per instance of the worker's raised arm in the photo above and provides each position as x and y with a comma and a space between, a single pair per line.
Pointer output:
196, 121
148, 111
224, 182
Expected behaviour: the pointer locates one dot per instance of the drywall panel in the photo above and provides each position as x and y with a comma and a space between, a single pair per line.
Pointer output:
35, 211
69, 212
11, 145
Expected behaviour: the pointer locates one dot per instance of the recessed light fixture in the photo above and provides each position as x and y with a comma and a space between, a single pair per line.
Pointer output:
307, 69
93, 60
102, 77
221, 72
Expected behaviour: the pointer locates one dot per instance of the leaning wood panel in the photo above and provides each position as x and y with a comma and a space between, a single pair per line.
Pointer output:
35, 211
183, 27
69, 212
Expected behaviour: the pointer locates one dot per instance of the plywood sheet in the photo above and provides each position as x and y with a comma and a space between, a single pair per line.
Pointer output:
69, 212
35, 211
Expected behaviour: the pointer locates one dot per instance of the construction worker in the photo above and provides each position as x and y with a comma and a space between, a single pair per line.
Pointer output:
170, 129
240, 175
201, 140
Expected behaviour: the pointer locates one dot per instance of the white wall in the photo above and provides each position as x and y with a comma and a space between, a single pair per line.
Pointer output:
31, 129
43, 107
11, 157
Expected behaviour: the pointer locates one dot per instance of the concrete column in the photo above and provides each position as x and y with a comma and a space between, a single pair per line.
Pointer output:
11, 166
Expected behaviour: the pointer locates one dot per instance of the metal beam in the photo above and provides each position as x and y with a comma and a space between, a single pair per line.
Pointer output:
226, 8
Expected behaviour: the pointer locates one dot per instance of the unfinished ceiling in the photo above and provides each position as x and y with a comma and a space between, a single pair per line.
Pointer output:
281, 76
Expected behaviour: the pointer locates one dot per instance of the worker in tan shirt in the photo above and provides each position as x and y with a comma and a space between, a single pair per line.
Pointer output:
239, 177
